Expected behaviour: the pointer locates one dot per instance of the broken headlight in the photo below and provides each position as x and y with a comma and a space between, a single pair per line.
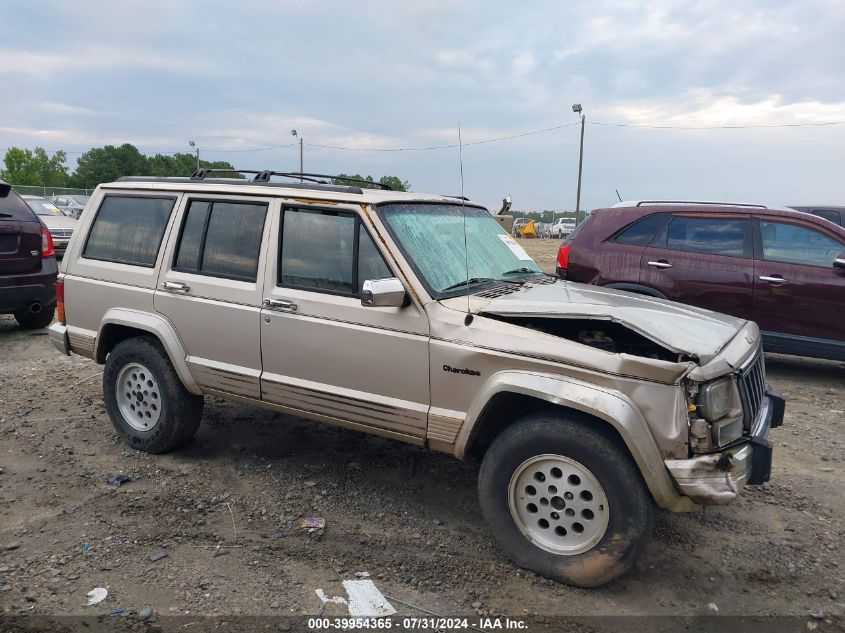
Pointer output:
714, 399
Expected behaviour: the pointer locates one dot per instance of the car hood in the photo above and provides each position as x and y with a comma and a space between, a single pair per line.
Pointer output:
58, 221
680, 328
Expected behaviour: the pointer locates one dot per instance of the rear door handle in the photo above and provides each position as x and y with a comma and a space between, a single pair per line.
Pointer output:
660, 264
772, 279
280, 304
175, 286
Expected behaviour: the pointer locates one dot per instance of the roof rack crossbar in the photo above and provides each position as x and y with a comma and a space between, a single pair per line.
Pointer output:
701, 202
265, 174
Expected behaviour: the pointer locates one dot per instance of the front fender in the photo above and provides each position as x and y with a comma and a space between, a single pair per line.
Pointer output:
605, 404
163, 331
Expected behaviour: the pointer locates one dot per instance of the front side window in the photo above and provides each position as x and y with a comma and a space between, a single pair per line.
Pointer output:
449, 245
221, 239
795, 244
129, 229
711, 236
328, 251
641, 232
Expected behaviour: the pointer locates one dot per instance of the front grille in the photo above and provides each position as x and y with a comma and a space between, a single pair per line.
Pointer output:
752, 388
63, 233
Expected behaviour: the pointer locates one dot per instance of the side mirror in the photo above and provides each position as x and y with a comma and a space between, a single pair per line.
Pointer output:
383, 293
839, 262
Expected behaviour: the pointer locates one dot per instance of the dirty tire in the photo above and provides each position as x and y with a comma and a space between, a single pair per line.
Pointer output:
629, 502
29, 321
180, 411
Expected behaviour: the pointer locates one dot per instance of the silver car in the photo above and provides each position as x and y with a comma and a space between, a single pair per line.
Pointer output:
61, 227
71, 204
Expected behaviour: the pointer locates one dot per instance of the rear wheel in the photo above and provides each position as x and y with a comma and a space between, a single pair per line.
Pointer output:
565, 500
32, 320
147, 403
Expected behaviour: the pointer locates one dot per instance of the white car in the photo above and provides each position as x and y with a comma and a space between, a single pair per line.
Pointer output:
561, 228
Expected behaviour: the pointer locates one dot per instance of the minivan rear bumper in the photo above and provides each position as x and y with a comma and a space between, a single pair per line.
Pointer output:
718, 478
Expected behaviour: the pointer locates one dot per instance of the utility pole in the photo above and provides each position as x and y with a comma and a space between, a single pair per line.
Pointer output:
194, 145
293, 133
576, 108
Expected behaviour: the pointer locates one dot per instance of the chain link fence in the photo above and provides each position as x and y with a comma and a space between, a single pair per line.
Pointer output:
31, 190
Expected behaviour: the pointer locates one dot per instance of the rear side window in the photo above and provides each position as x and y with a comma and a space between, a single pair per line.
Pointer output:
794, 244
711, 236
328, 251
641, 232
129, 229
221, 239
12, 206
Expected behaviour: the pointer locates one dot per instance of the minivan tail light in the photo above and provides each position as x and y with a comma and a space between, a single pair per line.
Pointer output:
60, 301
47, 249
563, 257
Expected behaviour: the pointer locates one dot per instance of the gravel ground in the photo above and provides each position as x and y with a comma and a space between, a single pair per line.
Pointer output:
214, 529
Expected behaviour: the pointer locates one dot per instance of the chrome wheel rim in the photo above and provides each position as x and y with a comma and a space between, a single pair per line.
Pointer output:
558, 504
138, 397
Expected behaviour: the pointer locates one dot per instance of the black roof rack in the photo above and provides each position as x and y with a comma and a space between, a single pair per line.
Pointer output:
718, 204
265, 175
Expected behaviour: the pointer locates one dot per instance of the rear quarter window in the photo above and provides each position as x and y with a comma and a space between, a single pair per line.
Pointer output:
12, 206
129, 229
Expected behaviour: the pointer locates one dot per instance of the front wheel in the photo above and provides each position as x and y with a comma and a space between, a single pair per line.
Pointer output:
147, 403
565, 500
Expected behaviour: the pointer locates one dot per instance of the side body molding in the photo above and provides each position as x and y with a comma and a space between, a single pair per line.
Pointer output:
605, 404
154, 324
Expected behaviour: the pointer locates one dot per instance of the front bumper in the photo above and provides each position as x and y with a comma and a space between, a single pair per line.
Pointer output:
57, 333
717, 478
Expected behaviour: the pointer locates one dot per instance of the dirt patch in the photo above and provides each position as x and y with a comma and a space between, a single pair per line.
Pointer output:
227, 511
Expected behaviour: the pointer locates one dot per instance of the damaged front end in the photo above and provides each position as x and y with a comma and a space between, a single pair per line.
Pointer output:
730, 419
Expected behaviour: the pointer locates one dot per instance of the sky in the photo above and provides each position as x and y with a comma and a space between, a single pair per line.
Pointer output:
237, 77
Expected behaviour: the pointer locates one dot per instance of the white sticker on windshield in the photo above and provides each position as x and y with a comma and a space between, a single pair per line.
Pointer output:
516, 249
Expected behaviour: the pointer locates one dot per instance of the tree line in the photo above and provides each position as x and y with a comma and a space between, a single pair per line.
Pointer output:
106, 164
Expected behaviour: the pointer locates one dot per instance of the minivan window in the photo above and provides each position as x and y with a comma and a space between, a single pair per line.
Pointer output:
828, 214
12, 206
222, 239
794, 244
712, 236
319, 252
641, 232
129, 229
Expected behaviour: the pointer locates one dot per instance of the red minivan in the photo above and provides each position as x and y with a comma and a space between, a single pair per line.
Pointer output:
783, 269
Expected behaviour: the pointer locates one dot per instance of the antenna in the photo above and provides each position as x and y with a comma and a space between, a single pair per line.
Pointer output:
468, 318
618, 196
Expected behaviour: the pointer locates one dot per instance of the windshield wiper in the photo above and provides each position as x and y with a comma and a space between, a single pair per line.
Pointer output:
522, 271
474, 280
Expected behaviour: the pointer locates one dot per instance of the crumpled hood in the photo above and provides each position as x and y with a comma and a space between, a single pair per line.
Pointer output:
681, 328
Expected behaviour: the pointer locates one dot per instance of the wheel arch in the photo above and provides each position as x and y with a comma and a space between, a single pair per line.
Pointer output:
119, 324
513, 394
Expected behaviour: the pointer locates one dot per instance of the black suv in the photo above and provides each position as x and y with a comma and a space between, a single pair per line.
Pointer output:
28, 266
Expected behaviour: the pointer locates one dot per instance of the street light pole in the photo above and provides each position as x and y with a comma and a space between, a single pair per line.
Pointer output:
194, 145
576, 108
294, 133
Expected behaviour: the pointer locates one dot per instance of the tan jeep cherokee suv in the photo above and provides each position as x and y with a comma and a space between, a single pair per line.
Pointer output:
416, 317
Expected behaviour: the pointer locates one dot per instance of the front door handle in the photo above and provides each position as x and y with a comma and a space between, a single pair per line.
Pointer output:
772, 279
662, 263
280, 304
175, 286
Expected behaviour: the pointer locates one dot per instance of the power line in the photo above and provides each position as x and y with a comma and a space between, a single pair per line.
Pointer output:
491, 140
716, 127
452, 146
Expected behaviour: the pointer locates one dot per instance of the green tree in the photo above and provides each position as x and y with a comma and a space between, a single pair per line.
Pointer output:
183, 165
105, 164
395, 183
35, 168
